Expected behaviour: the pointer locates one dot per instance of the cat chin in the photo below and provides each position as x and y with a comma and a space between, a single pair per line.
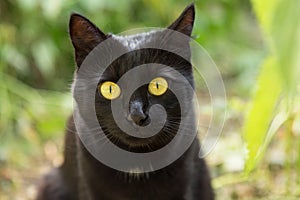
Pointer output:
136, 142
137, 145
134, 175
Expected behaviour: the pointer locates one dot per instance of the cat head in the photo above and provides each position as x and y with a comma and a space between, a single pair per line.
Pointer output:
85, 36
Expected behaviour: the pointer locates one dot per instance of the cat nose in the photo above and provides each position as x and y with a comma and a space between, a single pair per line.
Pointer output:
138, 118
136, 114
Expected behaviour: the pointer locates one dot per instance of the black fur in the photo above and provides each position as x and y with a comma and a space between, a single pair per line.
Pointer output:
83, 177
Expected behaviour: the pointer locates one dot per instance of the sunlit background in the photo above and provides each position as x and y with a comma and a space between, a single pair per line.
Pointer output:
254, 43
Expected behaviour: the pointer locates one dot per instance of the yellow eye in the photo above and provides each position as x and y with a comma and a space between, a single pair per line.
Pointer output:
110, 90
158, 86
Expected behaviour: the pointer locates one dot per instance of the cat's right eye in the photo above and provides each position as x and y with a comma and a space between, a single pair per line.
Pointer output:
110, 90
158, 86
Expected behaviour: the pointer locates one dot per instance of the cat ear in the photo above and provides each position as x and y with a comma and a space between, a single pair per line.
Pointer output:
184, 23
85, 36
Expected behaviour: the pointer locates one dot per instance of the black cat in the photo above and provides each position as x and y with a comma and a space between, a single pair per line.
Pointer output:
81, 176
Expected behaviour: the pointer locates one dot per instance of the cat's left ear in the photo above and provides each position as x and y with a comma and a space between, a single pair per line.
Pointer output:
185, 22
85, 36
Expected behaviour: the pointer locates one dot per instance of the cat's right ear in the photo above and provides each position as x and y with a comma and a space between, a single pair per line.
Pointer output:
85, 36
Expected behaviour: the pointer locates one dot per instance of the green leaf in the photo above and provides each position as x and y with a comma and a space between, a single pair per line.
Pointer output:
261, 111
285, 41
277, 82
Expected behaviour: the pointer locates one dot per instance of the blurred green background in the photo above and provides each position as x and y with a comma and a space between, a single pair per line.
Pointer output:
255, 44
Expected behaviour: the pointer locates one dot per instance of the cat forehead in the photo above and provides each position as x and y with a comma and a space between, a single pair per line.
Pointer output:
132, 42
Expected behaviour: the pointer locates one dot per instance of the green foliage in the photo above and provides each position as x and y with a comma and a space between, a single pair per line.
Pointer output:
27, 117
273, 100
228, 31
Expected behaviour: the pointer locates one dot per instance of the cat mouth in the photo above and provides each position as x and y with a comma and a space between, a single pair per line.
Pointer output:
141, 123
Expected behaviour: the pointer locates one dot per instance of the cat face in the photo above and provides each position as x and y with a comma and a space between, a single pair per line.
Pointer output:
86, 36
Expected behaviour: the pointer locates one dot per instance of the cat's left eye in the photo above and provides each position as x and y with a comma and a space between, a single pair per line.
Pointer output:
110, 90
158, 86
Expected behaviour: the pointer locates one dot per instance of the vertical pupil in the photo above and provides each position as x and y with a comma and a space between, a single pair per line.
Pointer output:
110, 89
156, 85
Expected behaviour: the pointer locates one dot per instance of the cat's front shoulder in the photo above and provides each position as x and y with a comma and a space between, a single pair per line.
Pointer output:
53, 187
